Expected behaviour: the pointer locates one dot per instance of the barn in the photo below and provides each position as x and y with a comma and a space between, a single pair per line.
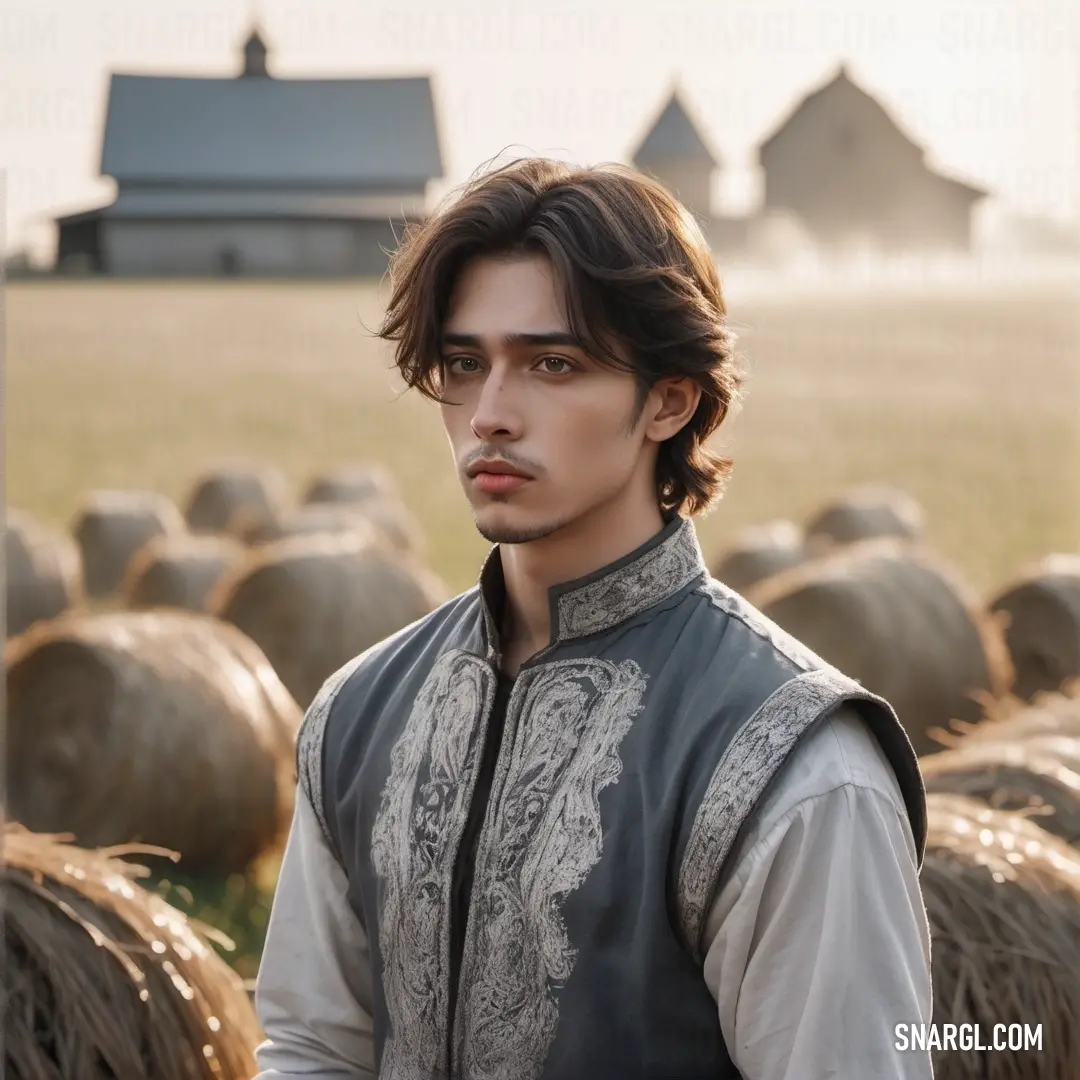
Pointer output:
847, 169
257, 175
674, 151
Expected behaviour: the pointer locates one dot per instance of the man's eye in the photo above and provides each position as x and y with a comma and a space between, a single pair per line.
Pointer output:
452, 362
549, 360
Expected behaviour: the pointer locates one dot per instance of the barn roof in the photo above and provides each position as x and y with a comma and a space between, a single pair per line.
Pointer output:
269, 130
674, 136
840, 83
961, 188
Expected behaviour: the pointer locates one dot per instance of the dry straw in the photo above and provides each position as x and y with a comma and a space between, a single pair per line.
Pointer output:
1012, 719
866, 513
111, 526
759, 552
1042, 608
179, 571
892, 615
1039, 776
163, 727
1003, 900
43, 572
222, 492
103, 979
312, 603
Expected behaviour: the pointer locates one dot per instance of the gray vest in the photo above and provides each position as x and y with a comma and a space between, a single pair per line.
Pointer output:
635, 749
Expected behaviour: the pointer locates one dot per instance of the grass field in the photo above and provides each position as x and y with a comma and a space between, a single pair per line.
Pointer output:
969, 400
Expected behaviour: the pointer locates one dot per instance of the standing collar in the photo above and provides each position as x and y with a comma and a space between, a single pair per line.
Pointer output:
603, 599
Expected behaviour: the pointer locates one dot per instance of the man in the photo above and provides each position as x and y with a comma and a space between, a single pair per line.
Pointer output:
596, 817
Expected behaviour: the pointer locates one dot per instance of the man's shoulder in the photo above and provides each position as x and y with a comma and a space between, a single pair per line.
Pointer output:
735, 630
842, 751
841, 742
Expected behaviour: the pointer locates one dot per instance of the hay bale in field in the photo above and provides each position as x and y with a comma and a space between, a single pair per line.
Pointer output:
223, 492
104, 979
1002, 897
161, 727
900, 622
1043, 629
179, 571
390, 517
1040, 775
314, 602
111, 526
759, 552
865, 513
395, 521
43, 572
351, 484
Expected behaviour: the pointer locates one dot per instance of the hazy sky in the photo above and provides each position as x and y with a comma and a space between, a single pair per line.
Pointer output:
990, 87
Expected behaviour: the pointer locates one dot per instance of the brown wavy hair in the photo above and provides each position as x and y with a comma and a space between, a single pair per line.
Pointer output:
634, 268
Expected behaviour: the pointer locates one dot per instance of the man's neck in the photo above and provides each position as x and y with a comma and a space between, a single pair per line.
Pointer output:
581, 548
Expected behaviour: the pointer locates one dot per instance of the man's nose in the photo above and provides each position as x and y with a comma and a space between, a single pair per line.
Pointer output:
496, 411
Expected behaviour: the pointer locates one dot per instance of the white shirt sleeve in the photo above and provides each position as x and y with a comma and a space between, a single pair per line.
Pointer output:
818, 941
313, 992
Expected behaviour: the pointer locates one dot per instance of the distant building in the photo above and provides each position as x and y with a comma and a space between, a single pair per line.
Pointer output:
256, 174
844, 166
675, 152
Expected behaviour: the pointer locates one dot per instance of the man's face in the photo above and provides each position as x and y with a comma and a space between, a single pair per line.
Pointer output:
524, 394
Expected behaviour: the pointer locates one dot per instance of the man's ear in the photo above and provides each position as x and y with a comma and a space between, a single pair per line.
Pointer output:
670, 405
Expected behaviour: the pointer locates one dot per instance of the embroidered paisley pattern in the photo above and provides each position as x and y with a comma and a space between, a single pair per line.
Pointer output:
545, 840
633, 588
414, 845
747, 766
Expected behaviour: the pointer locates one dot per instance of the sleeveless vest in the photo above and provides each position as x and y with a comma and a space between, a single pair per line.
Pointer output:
634, 751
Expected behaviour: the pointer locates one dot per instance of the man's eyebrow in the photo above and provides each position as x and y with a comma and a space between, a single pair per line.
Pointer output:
472, 341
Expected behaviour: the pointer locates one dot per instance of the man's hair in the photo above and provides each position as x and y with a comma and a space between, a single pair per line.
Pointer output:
634, 269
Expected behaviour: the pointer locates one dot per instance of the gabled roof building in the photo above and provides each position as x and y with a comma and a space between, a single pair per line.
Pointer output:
257, 174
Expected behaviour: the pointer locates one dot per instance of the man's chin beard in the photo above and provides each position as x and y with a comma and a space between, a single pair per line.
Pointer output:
515, 534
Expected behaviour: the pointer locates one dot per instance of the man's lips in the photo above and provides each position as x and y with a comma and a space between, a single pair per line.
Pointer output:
495, 467
495, 483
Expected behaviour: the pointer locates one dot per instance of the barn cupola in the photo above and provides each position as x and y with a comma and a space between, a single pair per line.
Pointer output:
255, 52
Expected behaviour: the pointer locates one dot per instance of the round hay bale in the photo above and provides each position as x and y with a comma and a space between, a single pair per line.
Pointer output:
390, 518
43, 572
222, 492
312, 603
1043, 627
1039, 776
112, 525
179, 571
1002, 898
351, 484
104, 979
901, 623
865, 513
759, 552
161, 727
394, 520
257, 530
